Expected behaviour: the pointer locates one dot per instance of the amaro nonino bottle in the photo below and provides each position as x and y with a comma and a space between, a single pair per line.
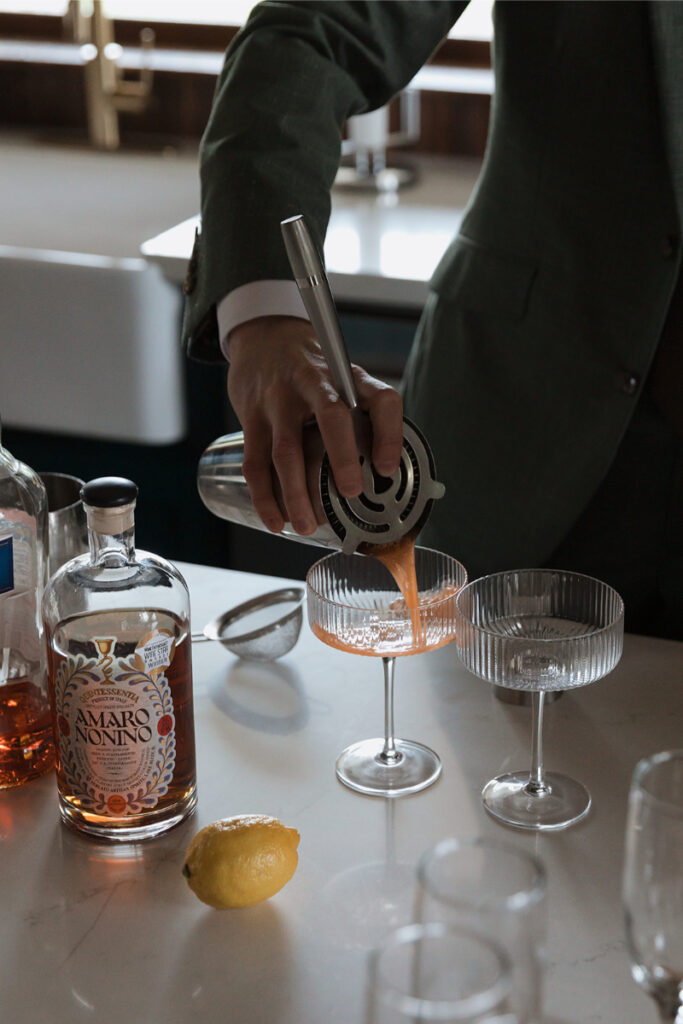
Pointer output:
117, 627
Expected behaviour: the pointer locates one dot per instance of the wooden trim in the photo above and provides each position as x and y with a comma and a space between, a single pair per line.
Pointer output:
50, 97
171, 35
31, 26
177, 36
190, 36
464, 53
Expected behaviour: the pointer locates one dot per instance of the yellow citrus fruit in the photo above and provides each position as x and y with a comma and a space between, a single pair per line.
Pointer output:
238, 861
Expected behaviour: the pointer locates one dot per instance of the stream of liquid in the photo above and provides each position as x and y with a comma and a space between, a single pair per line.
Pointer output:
429, 623
399, 559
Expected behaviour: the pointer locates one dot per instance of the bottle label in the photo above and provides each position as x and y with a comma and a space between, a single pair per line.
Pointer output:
6, 565
19, 585
116, 725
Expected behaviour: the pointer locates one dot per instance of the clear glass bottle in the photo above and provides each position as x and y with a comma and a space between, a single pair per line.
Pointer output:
117, 628
26, 747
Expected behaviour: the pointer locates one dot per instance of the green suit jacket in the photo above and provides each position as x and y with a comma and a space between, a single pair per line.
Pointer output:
546, 310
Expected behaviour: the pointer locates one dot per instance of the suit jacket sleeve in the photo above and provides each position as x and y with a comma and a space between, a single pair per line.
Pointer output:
292, 76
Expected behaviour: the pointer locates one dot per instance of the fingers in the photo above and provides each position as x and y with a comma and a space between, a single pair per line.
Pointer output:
277, 445
257, 472
385, 407
336, 428
288, 459
278, 381
339, 440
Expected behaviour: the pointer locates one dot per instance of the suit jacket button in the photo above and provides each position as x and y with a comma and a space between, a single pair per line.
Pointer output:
628, 383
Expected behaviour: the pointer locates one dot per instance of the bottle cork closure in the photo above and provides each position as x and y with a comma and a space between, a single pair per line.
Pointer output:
109, 504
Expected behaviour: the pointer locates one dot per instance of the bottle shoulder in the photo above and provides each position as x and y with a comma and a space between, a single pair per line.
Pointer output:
147, 581
163, 565
21, 491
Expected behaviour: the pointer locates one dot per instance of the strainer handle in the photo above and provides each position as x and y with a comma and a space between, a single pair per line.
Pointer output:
314, 288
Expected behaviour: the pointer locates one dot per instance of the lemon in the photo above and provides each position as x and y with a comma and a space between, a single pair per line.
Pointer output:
236, 862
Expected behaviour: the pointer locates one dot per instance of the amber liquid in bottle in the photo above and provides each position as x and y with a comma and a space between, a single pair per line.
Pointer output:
25, 725
25, 733
125, 763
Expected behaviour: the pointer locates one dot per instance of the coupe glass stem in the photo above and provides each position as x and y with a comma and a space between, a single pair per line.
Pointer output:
536, 784
389, 754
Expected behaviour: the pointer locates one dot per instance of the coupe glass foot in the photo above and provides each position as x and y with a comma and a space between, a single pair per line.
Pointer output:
363, 768
562, 803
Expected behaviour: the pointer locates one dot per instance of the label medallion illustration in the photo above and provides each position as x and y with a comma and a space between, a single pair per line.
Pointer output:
116, 725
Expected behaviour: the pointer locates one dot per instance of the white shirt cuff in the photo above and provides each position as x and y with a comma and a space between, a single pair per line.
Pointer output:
257, 298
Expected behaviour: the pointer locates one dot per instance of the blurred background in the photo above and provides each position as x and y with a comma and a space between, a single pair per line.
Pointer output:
102, 105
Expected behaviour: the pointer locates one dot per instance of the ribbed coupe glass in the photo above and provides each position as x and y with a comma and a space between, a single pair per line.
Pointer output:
539, 630
355, 605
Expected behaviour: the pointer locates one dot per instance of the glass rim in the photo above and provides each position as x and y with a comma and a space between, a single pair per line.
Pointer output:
441, 1009
515, 901
645, 765
484, 631
50, 478
360, 608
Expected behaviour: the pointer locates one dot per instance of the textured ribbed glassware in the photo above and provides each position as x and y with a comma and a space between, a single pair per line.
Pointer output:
355, 605
539, 630
653, 880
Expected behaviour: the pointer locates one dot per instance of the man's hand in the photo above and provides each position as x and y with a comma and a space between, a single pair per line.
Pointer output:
279, 380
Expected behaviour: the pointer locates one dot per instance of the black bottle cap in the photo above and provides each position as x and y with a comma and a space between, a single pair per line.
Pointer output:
109, 492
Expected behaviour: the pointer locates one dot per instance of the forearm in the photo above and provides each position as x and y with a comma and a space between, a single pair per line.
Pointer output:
271, 148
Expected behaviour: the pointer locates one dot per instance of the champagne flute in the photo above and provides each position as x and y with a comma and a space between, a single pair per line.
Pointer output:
539, 630
354, 605
653, 880
484, 884
437, 972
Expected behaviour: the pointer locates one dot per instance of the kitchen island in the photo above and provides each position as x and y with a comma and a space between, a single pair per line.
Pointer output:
112, 934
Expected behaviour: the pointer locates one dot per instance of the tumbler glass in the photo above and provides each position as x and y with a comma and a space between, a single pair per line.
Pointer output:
488, 885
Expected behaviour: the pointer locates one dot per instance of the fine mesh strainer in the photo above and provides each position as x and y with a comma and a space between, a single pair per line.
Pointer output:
262, 629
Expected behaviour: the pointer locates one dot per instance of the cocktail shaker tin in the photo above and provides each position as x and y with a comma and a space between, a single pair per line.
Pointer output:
387, 509
224, 491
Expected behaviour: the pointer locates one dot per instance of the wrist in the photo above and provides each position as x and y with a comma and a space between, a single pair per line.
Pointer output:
264, 330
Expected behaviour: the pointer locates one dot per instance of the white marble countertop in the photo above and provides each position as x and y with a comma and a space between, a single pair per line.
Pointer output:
113, 935
64, 196
380, 249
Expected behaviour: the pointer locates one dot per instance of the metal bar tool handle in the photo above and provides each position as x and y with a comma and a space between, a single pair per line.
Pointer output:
311, 280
